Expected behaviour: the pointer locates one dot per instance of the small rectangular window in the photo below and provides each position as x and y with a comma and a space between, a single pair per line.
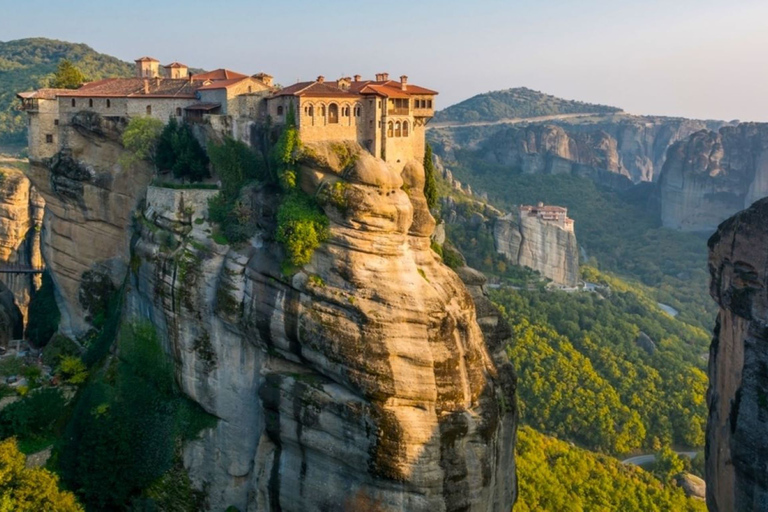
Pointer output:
49, 138
56, 122
429, 103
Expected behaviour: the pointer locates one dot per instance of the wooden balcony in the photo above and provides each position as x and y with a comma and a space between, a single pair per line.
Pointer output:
403, 111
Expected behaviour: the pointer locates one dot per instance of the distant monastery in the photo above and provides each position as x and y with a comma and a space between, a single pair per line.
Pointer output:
557, 215
384, 116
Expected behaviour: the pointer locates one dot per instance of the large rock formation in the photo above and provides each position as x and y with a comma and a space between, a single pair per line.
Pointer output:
737, 430
21, 217
361, 382
712, 175
539, 245
90, 198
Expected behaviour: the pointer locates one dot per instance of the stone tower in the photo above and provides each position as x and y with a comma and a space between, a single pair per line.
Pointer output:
147, 67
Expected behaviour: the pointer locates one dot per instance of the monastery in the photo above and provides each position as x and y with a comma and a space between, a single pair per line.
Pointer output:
553, 214
384, 116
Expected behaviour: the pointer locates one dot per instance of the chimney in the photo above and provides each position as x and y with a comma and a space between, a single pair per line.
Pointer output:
320, 79
190, 78
403, 82
157, 81
382, 77
357, 78
146, 86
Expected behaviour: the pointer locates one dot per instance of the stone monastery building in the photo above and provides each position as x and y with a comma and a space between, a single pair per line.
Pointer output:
554, 214
384, 116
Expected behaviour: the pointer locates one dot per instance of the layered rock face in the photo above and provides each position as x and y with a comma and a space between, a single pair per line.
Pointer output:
737, 428
21, 217
539, 245
361, 382
712, 175
89, 198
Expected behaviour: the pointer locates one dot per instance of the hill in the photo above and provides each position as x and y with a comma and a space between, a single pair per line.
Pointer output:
30, 63
519, 102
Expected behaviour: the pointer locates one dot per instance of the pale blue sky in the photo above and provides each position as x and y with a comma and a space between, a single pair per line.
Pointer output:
694, 58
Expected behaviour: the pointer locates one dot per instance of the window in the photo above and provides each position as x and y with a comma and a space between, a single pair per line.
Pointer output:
405, 128
149, 110
109, 103
429, 103
280, 110
178, 111
358, 110
333, 113
398, 132
311, 111
250, 89
90, 103
74, 103
390, 131
49, 138
345, 111
322, 110
55, 122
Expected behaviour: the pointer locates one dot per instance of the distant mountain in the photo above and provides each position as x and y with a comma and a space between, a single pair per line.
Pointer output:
30, 63
519, 102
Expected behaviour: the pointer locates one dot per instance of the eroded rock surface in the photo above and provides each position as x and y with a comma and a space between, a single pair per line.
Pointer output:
737, 428
712, 175
362, 382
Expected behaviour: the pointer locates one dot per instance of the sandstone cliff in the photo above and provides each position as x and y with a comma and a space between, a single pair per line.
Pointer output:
539, 245
712, 175
362, 382
737, 429
21, 216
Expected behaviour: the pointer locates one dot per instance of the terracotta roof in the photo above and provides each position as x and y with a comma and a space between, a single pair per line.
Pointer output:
176, 65
203, 106
262, 75
146, 59
219, 74
226, 84
42, 94
388, 89
134, 87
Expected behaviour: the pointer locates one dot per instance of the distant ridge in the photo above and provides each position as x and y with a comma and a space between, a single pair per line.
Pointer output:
29, 63
519, 102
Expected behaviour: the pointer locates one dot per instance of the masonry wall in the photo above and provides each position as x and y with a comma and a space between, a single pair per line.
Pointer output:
233, 93
42, 124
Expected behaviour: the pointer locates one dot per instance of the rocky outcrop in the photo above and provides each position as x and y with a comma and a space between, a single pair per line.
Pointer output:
21, 216
712, 175
90, 198
363, 381
692, 485
539, 245
737, 428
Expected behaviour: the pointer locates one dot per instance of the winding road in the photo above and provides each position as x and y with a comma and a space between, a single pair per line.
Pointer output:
639, 460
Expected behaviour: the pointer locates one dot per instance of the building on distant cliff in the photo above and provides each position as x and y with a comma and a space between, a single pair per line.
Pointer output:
554, 214
386, 117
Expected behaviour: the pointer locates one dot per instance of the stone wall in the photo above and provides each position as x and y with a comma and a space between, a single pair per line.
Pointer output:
42, 124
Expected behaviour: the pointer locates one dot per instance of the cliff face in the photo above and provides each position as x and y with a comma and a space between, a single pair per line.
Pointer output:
540, 245
712, 175
737, 429
362, 382
21, 216
89, 199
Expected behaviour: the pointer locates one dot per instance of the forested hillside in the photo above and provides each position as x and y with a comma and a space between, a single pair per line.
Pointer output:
515, 103
30, 63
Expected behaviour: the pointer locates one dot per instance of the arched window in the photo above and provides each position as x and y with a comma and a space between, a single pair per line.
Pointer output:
357, 111
90, 103
280, 110
311, 111
74, 103
322, 110
405, 128
390, 132
178, 111
109, 103
149, 110
345, 111
250, 89
398, 133
333, 113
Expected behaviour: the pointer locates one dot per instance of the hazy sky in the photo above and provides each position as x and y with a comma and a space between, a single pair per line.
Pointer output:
693, 58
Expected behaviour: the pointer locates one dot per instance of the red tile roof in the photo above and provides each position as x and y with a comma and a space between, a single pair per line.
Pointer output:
221, 84
388, 89
42, 94
219, 74
146, 59
135, 87
176, 65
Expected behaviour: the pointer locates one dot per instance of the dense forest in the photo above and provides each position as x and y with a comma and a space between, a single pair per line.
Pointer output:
554, 476
31, 63
519, 102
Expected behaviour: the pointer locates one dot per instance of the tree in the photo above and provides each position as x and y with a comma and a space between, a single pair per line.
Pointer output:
140, 138
44, 314
430, 185
67, 76
30, 489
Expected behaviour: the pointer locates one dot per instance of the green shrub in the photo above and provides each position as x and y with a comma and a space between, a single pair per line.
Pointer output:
140, 139
180, 152
35, 416
44, 316
235, 164
430, 182
301, 227
72, 369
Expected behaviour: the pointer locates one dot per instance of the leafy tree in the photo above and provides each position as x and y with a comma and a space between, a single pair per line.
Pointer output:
235, 165
140, 138
35, 417
430, 183
285, 152
44, 315
25, 489
67, 76
667, 465
73, 370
